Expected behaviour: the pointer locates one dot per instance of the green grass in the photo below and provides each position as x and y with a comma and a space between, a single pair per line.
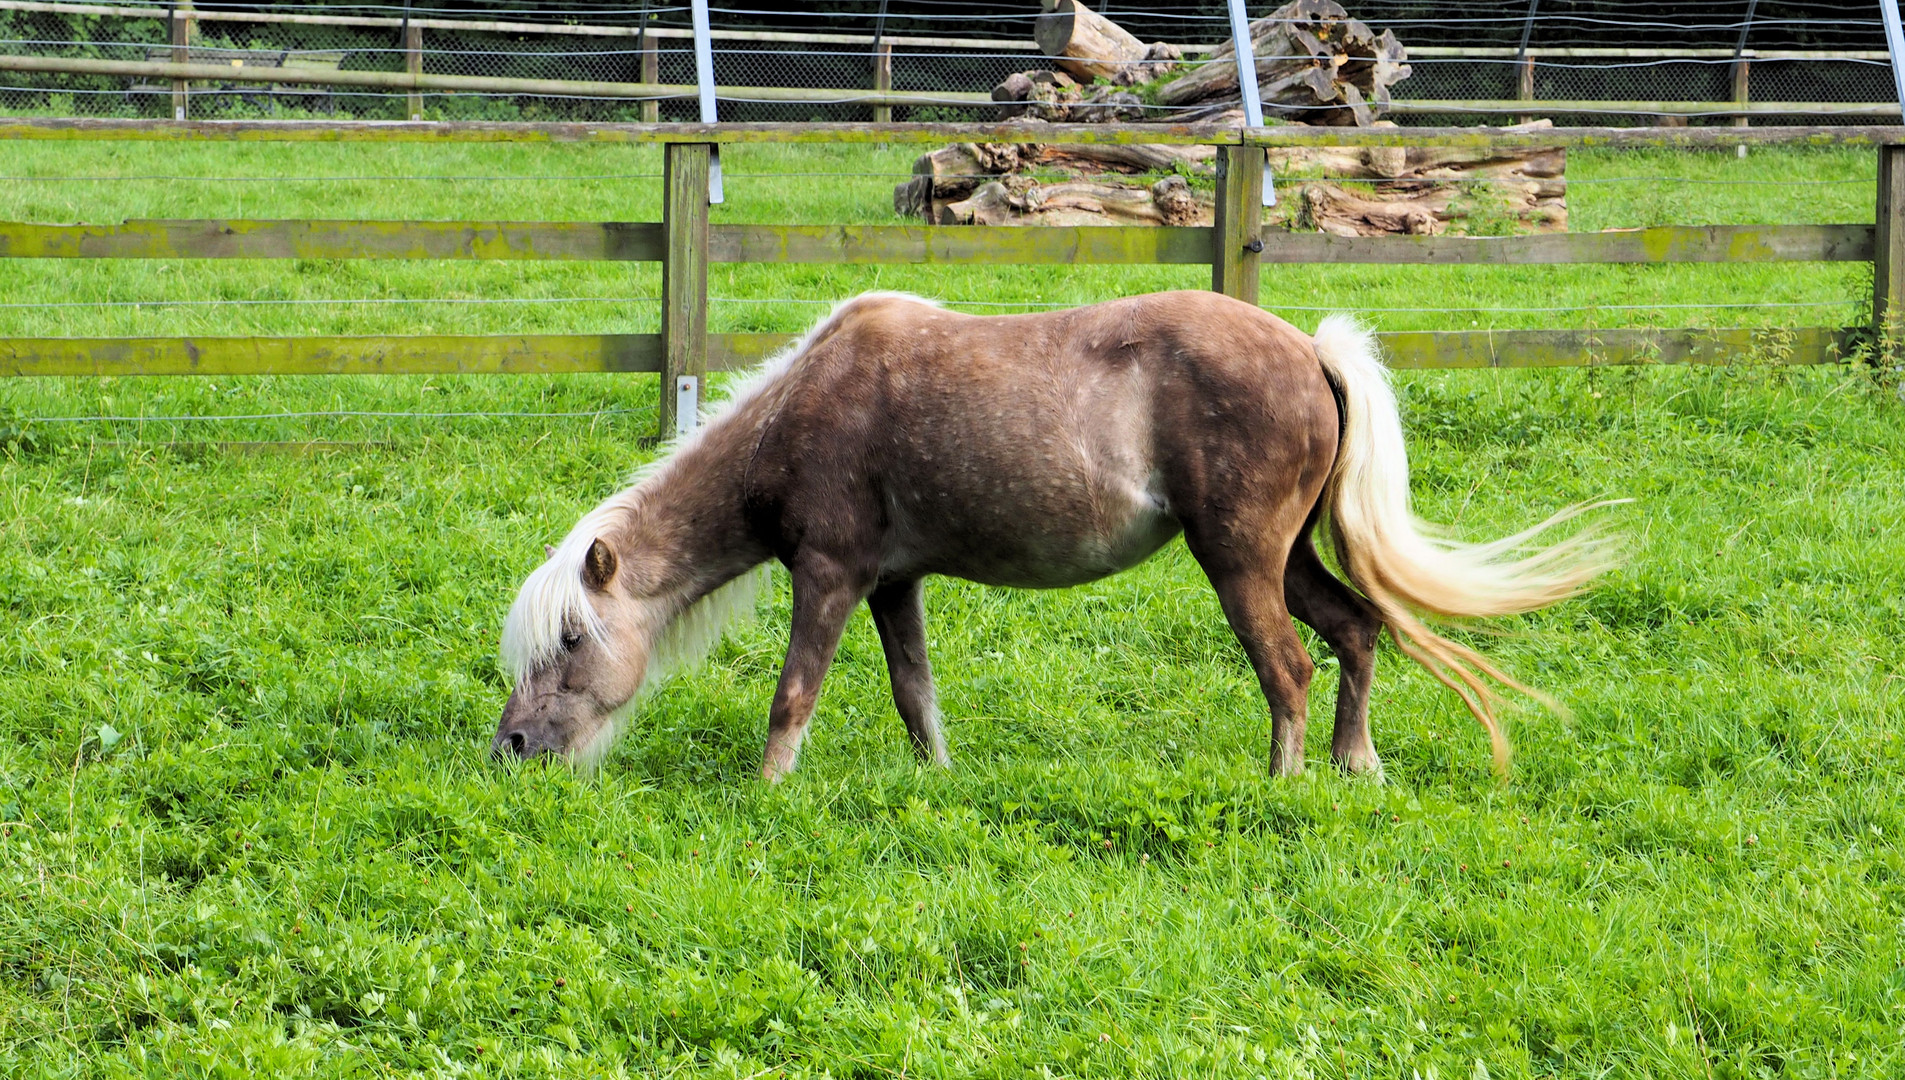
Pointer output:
249, 829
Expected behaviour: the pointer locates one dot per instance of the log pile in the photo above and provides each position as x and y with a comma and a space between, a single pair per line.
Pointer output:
1315, 65
1348, 191
1425, 190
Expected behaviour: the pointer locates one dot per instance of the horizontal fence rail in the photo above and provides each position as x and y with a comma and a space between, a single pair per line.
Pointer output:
566, 354
954, 245
481, 131
476, 84
579, 29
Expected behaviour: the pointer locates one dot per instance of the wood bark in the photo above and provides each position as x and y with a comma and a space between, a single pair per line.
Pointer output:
1085, 43
1420, 190
953, 172
1020, 200
1314, 63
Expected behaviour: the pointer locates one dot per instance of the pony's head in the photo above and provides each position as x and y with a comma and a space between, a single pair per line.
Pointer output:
617, 607
578, 642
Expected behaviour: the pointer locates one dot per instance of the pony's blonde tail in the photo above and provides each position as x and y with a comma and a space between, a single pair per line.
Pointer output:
1408, 567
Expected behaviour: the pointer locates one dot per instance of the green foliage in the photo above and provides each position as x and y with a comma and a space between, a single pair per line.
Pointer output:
247, 827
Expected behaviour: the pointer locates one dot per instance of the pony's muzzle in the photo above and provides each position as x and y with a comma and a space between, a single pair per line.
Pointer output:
519, 744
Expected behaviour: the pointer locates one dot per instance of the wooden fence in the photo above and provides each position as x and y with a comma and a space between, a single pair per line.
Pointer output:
685, 243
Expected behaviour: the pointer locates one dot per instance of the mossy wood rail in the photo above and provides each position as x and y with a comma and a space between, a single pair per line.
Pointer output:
560, 354
951, 245
686, 242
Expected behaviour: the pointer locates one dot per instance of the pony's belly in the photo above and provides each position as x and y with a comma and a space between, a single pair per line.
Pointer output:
1042, 547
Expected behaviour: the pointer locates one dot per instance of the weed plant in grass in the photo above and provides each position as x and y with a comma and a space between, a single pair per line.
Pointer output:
246, 826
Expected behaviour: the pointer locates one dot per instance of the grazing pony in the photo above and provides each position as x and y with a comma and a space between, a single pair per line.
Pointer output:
897, 439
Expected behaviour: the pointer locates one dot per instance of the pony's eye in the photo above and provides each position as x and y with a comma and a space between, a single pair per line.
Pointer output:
570, 641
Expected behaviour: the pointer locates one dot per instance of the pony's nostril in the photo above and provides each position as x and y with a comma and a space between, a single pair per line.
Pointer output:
517, 743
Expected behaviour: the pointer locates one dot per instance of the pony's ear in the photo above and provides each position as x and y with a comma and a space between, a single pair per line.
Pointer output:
549, 551
598, 567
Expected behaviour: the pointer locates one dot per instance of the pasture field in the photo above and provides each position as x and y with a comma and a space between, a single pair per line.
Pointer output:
247, 826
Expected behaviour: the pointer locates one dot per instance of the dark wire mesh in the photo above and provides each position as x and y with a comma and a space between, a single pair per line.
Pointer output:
975, 67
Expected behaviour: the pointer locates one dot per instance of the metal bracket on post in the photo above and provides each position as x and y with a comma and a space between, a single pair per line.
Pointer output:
687, 403
1247, 83
704, 79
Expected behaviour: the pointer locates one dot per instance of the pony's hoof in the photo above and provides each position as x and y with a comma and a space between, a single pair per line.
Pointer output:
1361, 763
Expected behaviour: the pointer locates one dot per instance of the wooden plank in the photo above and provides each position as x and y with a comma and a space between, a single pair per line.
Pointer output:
476, 131
1238, 224
1431, 350
506, 27
1864, 110
684, 270
958, 245
477, 354
615, 241
1586, 138
1888, 245
379, 355
1468, 52
1661, 244
481, 131
483, 84
890, 245
583, 353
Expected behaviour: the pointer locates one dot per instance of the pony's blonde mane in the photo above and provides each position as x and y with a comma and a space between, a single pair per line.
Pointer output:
553, 600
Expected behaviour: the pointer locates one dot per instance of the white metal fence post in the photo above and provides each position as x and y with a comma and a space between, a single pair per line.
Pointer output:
1247, 83
704, 78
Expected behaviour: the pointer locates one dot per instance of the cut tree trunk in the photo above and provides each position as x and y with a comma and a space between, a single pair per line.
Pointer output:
1424, 208
1020, 200
1314, 63
1054, 96
953, 172
1085, 43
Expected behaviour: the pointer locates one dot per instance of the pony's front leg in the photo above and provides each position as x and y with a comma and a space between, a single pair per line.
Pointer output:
825, 593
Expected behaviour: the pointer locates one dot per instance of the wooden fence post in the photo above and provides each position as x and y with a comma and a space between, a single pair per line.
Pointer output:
651, 74
1888, 242
1525, 86
684, 272
413, 63
883, 80
181, 54
1236, 233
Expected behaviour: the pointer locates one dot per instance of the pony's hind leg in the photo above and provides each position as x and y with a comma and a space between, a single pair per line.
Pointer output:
825, 594
1249, 584
899, 612
1350, 625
